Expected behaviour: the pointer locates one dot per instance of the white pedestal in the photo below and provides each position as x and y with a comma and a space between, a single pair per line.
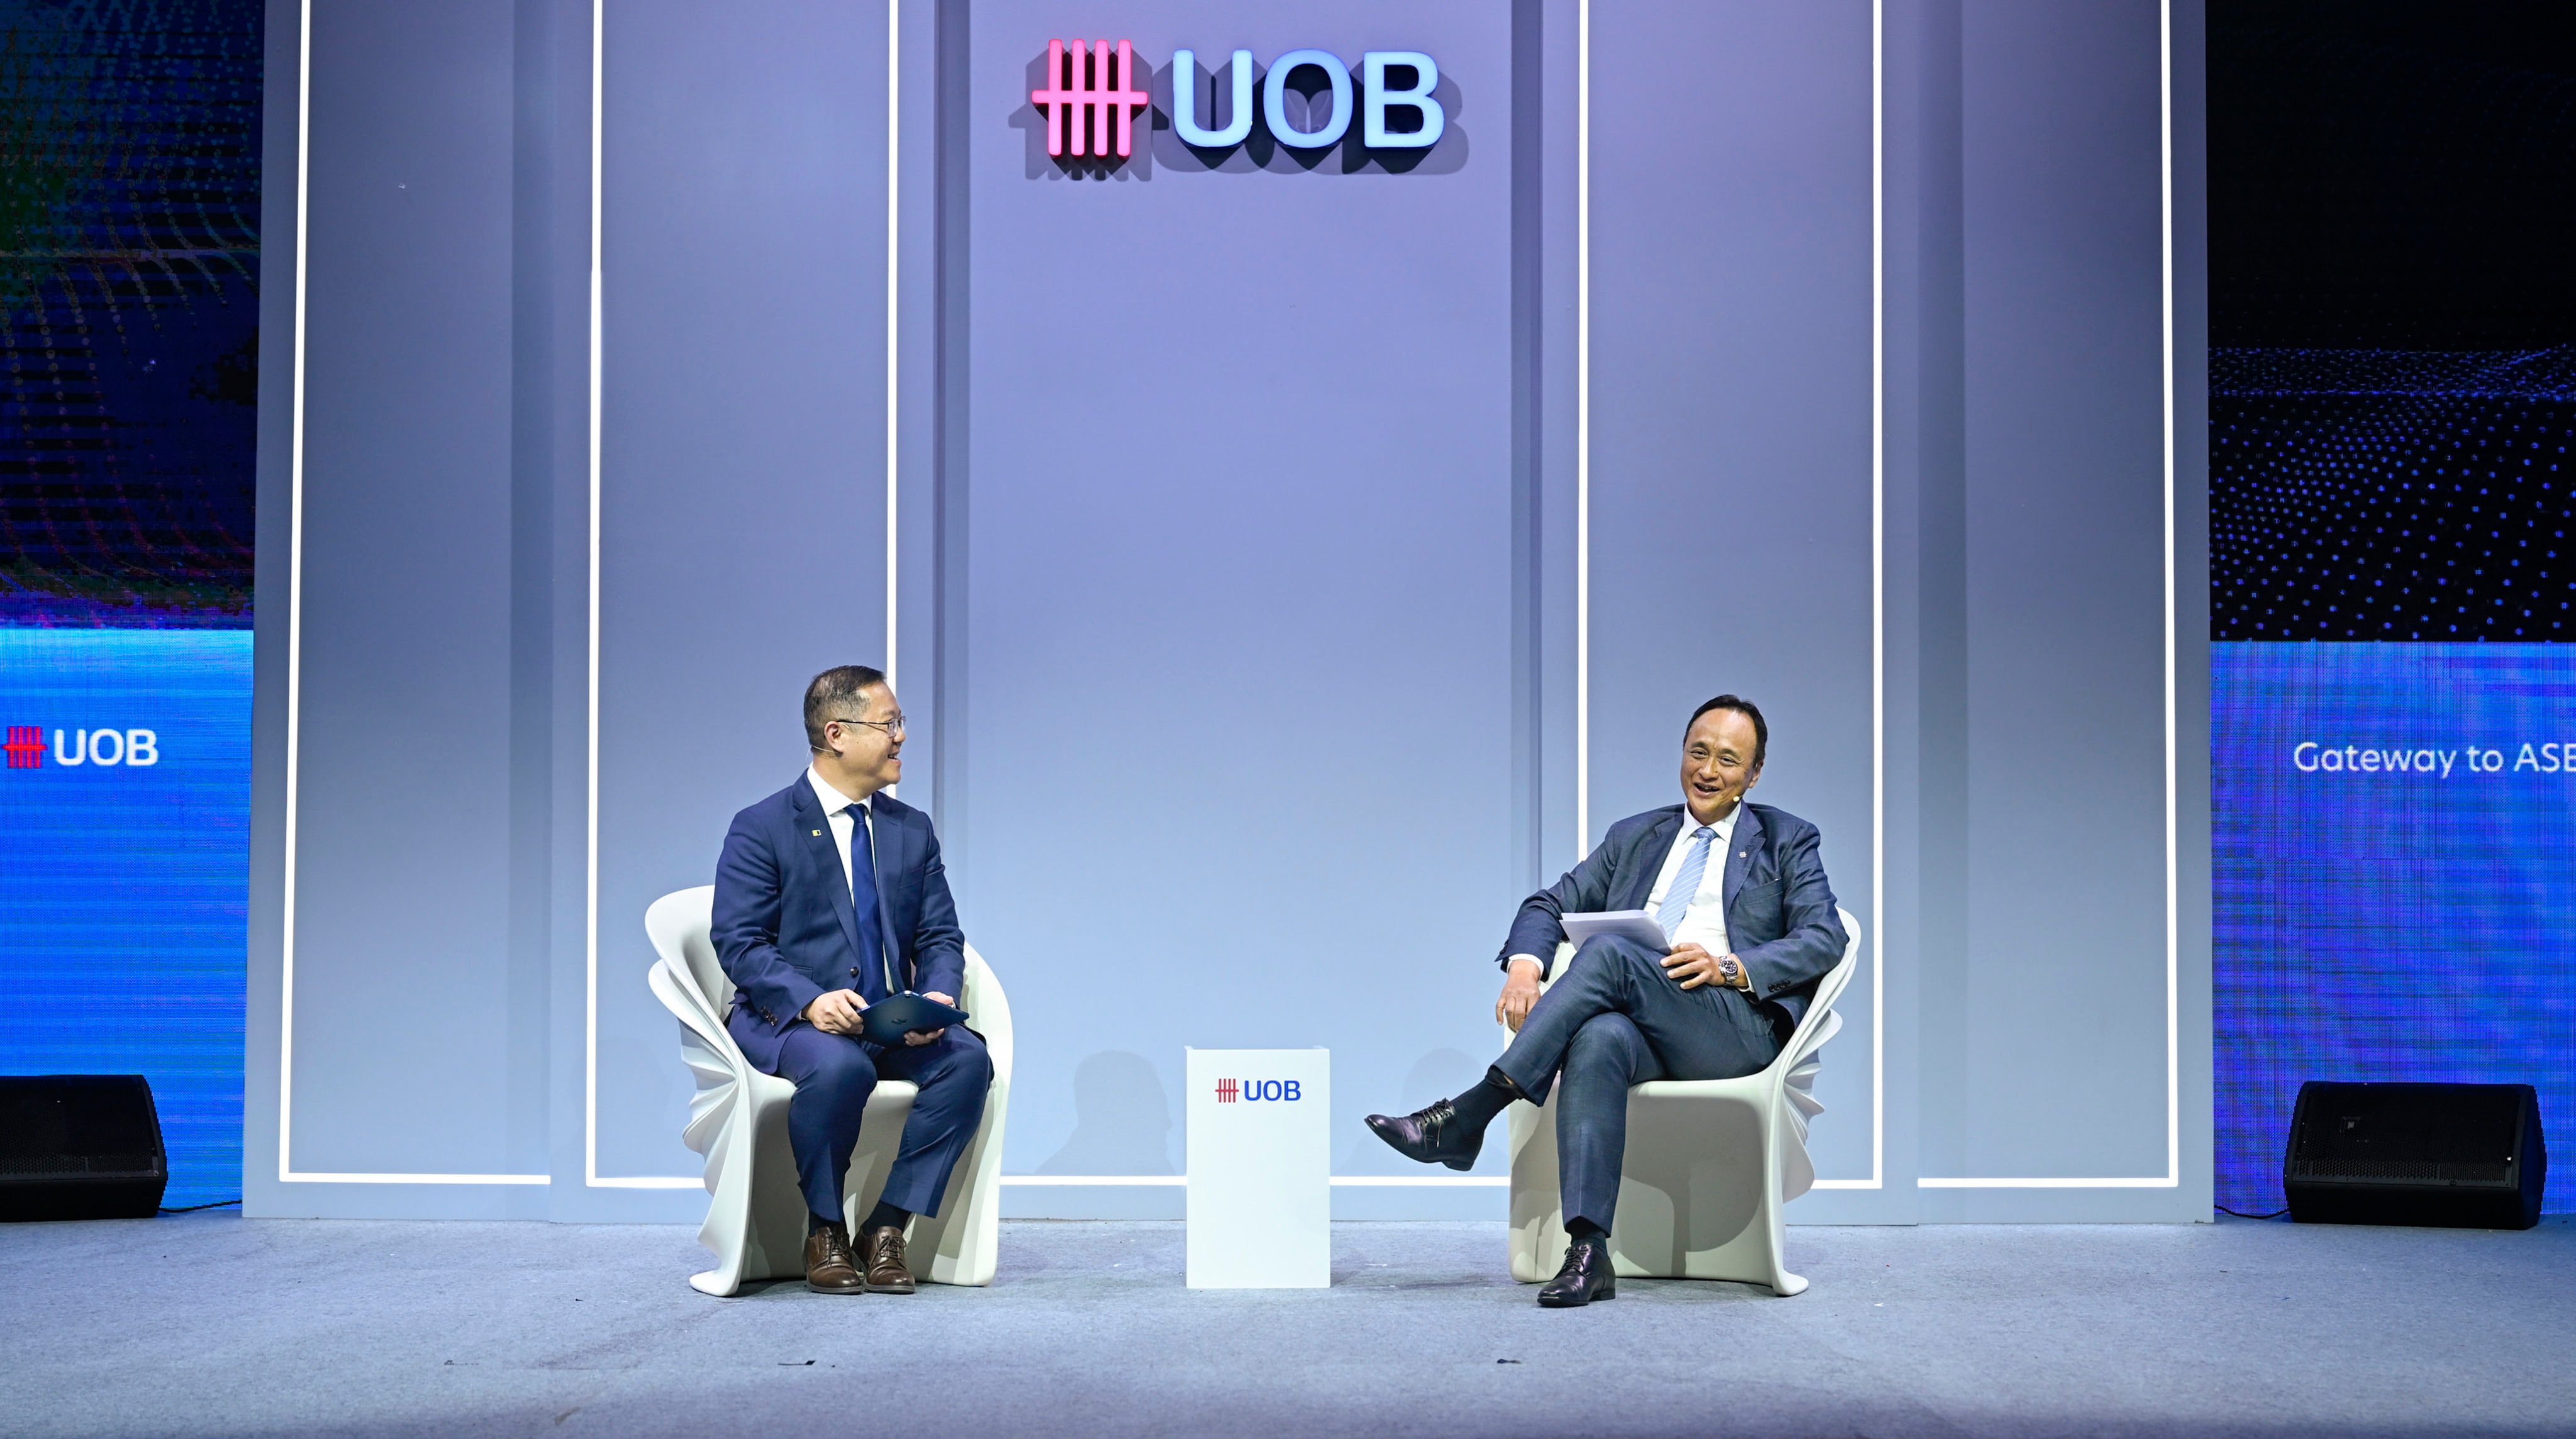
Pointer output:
1261, 1169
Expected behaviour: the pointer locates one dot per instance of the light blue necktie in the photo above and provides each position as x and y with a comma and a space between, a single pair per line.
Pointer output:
1686, 884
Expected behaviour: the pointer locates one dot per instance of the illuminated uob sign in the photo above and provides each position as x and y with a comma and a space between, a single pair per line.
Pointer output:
1091, 98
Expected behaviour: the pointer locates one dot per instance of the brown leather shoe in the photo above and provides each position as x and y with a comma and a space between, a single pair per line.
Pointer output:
828, 1269
882, 1250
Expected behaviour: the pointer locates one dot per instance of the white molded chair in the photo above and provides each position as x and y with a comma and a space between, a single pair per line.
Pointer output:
738, 1120
1710, 1162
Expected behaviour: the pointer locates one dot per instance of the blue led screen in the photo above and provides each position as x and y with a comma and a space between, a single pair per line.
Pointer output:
2392, 583
2393, 826
129, 363
124, 835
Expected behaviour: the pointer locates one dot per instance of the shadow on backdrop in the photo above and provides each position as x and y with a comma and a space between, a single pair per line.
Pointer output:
1122, 1119
1437, 1075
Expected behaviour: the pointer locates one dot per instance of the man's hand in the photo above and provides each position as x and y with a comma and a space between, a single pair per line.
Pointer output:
835, 1012
1520, 991
924, 1036
1693, 966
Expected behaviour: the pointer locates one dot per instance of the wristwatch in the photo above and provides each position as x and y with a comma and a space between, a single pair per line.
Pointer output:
1731, 973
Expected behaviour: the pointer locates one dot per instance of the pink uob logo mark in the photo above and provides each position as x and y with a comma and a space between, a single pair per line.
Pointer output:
1083, 91
1229, 1091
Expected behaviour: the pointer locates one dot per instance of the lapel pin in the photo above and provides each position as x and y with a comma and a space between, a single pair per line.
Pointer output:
818, 833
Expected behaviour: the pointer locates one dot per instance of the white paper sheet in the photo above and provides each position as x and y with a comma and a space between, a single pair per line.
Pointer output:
1633, 924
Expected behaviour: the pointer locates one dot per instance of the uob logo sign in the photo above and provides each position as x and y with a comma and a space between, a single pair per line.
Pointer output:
1256, 1091
138, 748
1309, 99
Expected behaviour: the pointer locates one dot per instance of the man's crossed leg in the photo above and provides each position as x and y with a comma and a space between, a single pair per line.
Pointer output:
1615, 1019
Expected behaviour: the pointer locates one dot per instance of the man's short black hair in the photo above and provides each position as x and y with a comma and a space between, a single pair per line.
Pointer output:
834, 694
1746, 708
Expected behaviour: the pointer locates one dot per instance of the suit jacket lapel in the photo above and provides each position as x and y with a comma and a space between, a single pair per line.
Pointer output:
1739, 855
1647, 862
826, 855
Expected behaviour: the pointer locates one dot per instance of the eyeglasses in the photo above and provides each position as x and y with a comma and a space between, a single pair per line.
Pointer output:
892, 727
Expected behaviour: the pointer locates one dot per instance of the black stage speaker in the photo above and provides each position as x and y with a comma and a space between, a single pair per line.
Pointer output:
80, 1146
2458, 1156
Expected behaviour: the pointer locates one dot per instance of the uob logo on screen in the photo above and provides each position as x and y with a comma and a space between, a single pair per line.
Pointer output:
1256, 1091
107, 748
1091, 97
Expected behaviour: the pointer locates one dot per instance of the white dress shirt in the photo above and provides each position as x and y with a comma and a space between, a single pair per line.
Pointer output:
1704, 923
845, 815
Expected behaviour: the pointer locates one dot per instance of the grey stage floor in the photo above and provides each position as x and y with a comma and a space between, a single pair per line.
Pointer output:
217, 1325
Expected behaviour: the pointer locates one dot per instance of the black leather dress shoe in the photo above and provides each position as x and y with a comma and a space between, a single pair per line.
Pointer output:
1431, 1136
1587, 1276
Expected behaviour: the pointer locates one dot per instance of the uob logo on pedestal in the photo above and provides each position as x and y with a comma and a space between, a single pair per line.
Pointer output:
1091, 98
1256, 1091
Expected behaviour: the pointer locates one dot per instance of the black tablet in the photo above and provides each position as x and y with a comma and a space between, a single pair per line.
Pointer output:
888, 1020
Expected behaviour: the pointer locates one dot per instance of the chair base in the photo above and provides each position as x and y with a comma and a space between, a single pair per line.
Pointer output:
1683, 1212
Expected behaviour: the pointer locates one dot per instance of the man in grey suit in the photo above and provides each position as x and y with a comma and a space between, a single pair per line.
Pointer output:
1751, 923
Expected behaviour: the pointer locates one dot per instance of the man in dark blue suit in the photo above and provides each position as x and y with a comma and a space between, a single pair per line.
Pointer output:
829, 898
1751, 926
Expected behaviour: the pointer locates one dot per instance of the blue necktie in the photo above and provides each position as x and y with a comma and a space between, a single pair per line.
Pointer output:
1686, 884
863, 907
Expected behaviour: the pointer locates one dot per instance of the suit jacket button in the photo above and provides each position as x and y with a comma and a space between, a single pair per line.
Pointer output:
854, 971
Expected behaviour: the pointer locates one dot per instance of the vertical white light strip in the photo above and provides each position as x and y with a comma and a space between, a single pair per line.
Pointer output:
1876, 935
590, 718
294, 609
2172, 1177
1582, 428
286, 1171
2173, 717
894, 193
590, 1175
894, 119
1878, 592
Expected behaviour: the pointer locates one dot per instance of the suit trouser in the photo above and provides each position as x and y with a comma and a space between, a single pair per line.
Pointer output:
834, 1074
1616, 1019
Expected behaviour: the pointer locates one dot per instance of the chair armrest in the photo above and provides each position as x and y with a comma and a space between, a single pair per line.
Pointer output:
680, 995
988, 1012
